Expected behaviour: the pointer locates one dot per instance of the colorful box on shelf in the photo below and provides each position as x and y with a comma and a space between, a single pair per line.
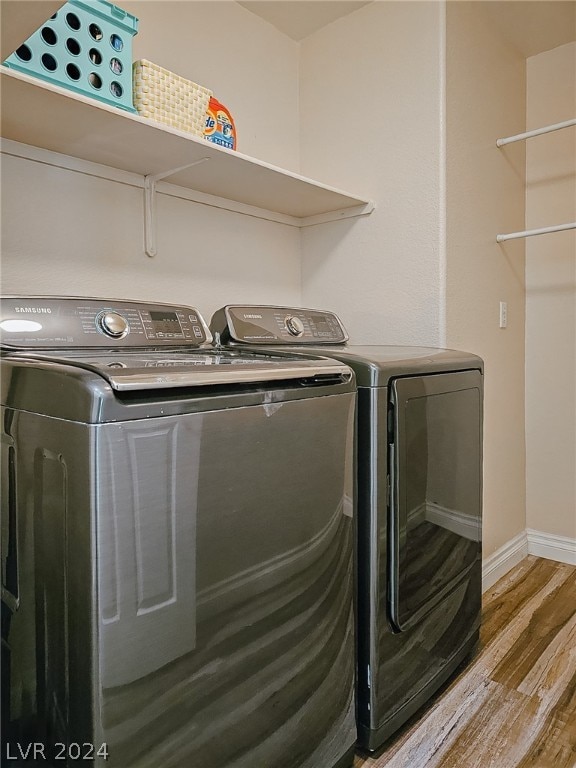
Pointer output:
220, 127
170, 99
86, 47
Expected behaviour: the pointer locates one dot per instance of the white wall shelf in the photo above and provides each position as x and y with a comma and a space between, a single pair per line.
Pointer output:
51, 118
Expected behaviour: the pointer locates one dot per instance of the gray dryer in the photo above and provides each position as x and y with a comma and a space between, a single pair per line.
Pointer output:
419, 475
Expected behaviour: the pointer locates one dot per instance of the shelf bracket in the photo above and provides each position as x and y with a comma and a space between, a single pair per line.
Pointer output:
150, 204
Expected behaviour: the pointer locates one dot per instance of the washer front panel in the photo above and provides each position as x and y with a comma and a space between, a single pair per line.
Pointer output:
67, 323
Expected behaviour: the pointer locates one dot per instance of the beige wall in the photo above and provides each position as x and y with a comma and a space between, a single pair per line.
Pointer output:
551, 297
485, 196
371, 121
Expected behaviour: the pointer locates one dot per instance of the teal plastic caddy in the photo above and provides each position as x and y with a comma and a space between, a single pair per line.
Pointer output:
86, 47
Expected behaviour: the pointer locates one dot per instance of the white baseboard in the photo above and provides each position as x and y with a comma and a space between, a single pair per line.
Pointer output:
528, 542
559, 548
503, 560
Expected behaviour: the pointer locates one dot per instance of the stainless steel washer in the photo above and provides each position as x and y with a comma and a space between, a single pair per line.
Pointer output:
177, 543
419, 504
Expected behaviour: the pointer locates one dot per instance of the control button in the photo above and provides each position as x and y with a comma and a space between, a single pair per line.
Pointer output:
294, 325
113, 324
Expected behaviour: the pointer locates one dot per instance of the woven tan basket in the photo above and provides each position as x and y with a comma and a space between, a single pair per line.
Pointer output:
168, 98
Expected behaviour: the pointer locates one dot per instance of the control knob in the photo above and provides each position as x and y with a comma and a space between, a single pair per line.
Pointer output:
294, 325
112, 324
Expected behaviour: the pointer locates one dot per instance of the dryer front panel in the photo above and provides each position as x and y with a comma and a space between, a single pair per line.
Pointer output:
436, 482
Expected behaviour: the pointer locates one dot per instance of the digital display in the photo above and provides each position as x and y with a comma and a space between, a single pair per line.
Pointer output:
322, 328
166, 322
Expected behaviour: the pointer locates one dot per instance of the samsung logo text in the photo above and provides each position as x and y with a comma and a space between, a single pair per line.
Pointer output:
34, 310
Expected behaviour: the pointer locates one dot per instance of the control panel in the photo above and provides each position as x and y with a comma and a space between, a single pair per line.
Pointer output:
278, 325
64, 322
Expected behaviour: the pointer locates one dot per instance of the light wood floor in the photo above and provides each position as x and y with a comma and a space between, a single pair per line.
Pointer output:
514, 705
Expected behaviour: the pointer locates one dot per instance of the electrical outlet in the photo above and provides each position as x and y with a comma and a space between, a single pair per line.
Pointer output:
503, 314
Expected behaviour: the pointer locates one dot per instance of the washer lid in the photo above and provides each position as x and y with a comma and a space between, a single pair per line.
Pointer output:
208, 367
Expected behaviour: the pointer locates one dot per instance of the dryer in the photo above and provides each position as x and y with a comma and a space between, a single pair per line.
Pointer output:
419, 473
177, 522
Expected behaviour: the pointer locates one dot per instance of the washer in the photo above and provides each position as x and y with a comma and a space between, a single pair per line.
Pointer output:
177, 560
419, 471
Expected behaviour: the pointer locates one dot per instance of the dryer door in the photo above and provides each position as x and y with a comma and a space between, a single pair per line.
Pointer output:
436, 484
